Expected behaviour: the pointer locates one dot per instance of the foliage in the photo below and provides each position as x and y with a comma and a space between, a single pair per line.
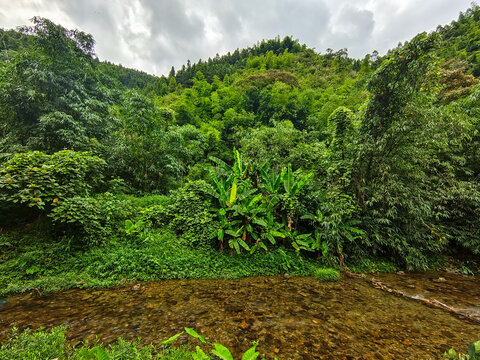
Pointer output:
40, 180
218, 350
50, 94
93, 219
189, 214
353, 159
327, 274
473, 353
336, 227
43, 345
39, 262
37, 345
246, 216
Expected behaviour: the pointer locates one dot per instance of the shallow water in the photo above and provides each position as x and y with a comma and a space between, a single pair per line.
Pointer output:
292, 318
458, 291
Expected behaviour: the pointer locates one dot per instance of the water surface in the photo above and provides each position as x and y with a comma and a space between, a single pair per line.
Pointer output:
292, 318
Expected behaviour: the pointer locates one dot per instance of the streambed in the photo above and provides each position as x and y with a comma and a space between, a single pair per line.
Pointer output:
293, 318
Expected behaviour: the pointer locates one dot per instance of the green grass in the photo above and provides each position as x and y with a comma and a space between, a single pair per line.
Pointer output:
37, 261
327, 274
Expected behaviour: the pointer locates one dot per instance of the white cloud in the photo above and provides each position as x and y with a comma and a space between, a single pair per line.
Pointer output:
153, 35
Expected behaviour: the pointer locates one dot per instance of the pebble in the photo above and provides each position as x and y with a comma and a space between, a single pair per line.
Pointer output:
136, 287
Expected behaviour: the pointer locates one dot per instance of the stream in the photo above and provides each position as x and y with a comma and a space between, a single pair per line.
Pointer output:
293, 318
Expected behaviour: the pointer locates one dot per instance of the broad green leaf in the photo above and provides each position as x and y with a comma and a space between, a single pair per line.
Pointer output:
288, 180
244, 244
260, 222
304, 181
474, 350
171, 339
233, 192
234, 244
193, 333
279, 179
355, 230
221, 163
231, 232
255, 200
128, 225
251, 354
222, 352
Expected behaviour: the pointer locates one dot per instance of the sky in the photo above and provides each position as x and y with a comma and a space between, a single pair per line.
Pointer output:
153, 35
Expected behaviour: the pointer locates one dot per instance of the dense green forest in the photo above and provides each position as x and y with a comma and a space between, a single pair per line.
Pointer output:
269, 159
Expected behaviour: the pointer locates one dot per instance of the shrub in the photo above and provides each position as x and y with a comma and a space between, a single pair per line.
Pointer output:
94, 218
37, 345
327, 274
190, 215
40, 180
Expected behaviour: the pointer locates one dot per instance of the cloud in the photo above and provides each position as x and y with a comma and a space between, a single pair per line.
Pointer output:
153, 35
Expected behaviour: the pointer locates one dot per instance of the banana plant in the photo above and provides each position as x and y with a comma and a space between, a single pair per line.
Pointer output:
238, 205
299, 241
271, 180
247, 210
239, 169
271, 230
223, 189
229, 227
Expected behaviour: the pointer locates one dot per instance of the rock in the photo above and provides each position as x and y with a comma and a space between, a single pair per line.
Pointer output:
401, 272
440, 279
136, 287
286, 276
243, 325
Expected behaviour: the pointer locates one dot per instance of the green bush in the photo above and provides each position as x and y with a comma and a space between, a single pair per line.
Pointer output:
327, 274
92, 219
189, 214
159, 255
43, 345
37, 345
40, 180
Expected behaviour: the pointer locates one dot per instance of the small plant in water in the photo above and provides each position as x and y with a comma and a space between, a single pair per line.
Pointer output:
327, 274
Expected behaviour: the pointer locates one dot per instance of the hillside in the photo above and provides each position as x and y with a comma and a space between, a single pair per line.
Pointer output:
272, 148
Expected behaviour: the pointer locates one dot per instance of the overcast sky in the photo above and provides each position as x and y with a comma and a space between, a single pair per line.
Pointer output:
153, 35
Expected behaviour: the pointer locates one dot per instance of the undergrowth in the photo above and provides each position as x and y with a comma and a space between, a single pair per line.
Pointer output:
38, 262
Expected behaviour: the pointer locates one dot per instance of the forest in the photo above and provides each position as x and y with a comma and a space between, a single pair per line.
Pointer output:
273, 159
273, 151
